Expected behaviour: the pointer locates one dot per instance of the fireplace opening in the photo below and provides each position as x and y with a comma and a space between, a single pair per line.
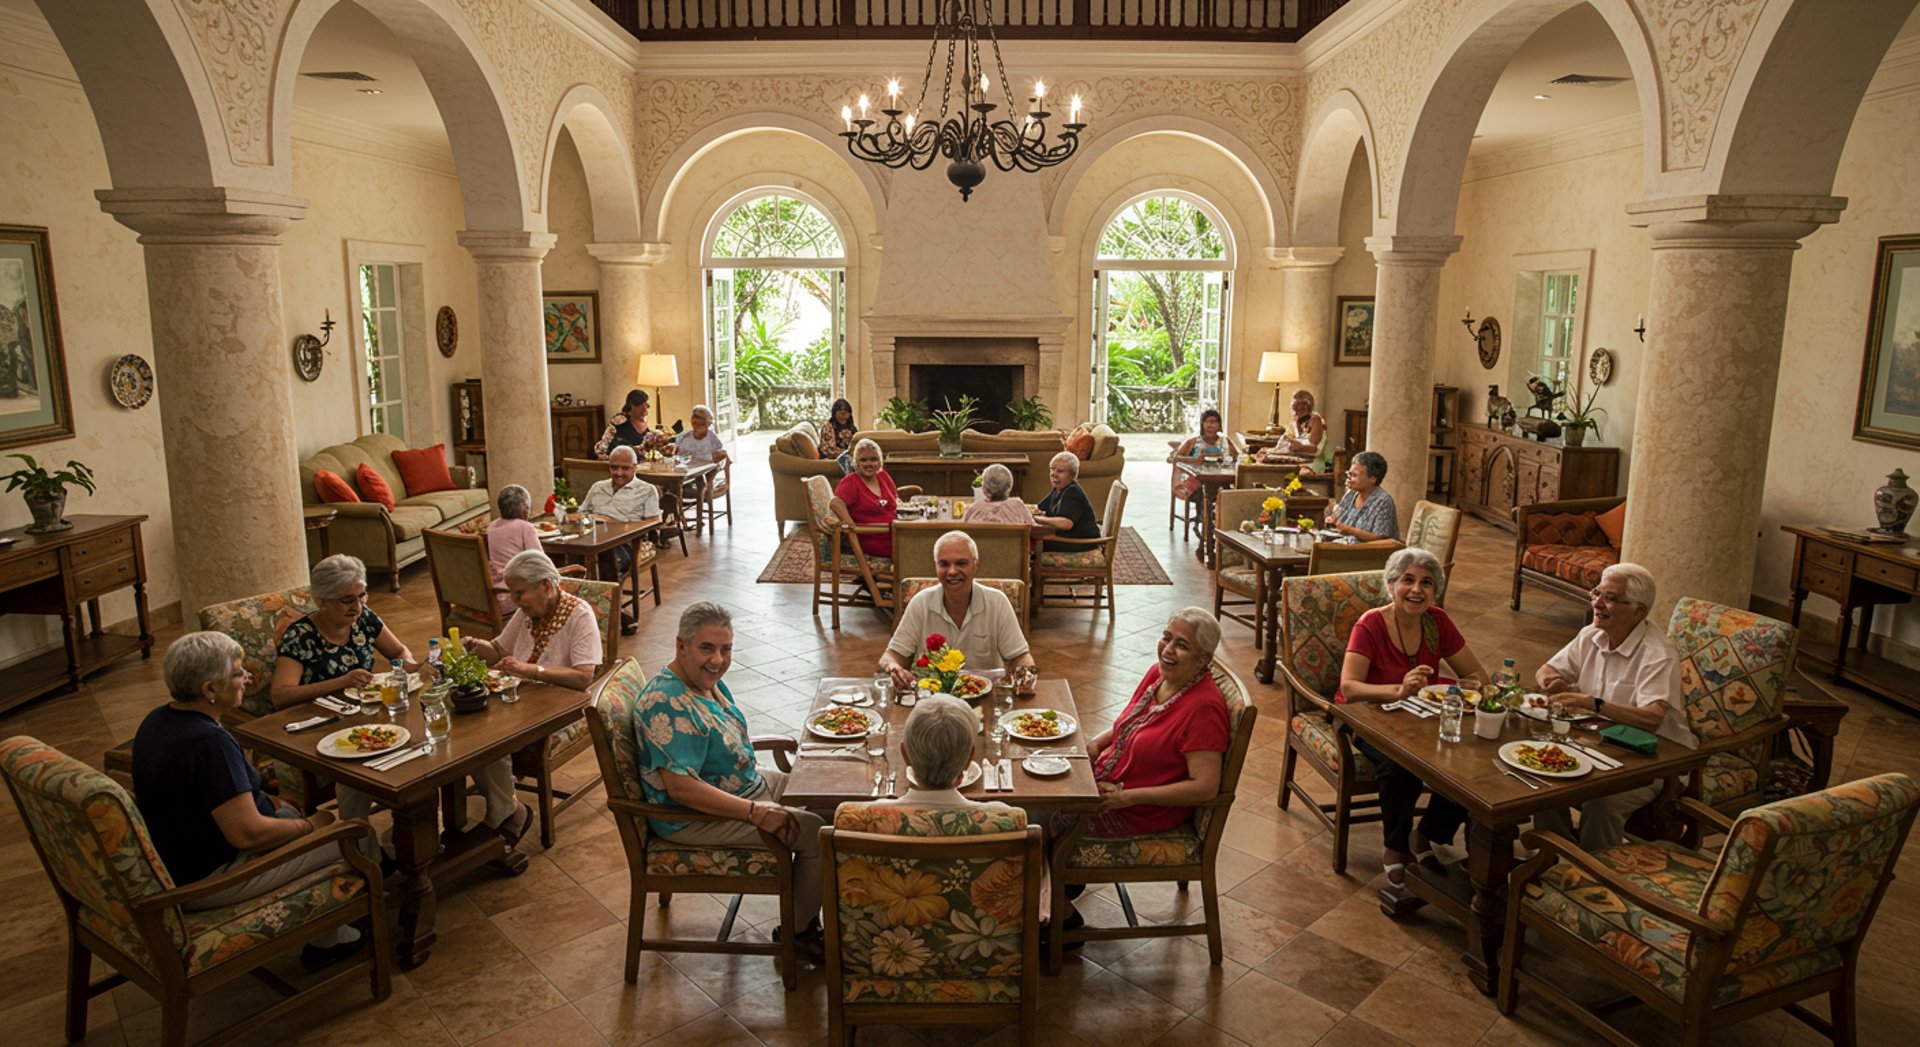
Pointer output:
994, 385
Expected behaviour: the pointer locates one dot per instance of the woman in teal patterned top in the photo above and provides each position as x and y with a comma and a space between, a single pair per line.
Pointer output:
696, 752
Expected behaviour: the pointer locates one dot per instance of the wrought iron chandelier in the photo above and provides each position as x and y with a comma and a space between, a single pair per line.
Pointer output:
964, 133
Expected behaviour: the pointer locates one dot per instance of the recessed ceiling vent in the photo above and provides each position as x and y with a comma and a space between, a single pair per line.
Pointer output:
1583, 80
350, 75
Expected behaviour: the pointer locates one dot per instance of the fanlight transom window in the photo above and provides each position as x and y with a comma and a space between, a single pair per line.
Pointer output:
776, 226
1163, 228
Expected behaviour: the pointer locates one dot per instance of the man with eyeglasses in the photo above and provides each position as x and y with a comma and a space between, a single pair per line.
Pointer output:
1622, 669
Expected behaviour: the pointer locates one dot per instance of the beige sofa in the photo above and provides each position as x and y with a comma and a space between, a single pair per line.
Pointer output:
386, 540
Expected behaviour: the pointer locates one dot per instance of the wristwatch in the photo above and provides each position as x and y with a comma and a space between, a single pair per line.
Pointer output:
1597, 703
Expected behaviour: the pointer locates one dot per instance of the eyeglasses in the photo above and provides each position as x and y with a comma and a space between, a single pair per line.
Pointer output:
1607, 598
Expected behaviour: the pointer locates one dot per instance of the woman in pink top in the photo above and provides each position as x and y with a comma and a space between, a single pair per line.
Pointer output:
870, 497
997, 504
554, 639
509, 536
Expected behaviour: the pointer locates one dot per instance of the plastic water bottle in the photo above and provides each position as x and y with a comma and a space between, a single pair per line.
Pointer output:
433, 657
1452, 708
1504, 677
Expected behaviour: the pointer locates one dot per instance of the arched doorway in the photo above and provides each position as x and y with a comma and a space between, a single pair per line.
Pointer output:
1162, 287
775, 296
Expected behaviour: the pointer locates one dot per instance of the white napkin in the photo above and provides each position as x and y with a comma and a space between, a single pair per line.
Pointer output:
398, 760
336, 705
987, 776
1006, 775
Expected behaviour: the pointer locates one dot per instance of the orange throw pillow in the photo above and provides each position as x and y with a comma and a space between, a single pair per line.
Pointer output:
374, 484
331, 488
424, 471
1080, 443
1613, 523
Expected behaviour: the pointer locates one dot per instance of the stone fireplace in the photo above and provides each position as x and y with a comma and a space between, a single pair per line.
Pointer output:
995, 360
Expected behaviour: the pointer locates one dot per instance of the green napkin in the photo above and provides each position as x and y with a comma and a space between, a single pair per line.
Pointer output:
1628, 736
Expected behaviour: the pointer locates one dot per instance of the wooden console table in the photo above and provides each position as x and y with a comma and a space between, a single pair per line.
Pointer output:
1501, 471
54, 574
1858, 575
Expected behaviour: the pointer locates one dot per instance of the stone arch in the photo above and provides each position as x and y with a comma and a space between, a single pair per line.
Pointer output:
465, 87
1271, 199
158, 125
660, 195
1340, 127
1794, 94
1426, 186
586, 114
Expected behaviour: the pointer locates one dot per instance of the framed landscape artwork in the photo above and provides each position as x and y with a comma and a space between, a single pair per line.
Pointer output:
1889, 411
34, 406
1353, 331
572, 326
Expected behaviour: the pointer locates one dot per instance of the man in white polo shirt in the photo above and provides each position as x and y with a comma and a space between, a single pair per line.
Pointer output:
1622, 669
977, 620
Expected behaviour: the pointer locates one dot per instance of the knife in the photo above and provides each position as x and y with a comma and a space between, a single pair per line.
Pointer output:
1006, 775
403, 758
389, 760
1601, 760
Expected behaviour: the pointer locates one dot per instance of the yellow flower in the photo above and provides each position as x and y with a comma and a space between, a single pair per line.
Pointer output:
908, 896
1305, 522
952, 661
1293, 483
930, 684
1273, 505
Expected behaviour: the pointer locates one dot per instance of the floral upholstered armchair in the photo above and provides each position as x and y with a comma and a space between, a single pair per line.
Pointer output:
1091, 562
1709, 939
933, 917
664, 866
122, 906
1733, 676
538, 761
1317, 615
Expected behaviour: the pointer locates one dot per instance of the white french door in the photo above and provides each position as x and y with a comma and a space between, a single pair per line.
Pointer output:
721, 385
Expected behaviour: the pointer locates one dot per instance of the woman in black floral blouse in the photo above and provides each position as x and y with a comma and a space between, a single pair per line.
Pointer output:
341, 644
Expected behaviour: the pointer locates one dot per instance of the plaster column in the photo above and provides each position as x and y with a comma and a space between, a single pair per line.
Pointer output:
513, 355
1306, 317
1715, 316
626, 315
1400, 387
222, 361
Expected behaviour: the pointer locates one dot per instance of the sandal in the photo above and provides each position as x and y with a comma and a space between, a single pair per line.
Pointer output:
515, 825
1396, 875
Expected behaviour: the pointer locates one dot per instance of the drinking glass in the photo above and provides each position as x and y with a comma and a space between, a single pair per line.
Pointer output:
509, 691
1562, 724
1540, 728
882, 688
1452, 709
439, 723
877, 740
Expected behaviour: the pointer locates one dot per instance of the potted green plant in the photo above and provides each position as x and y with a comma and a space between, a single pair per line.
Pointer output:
952, 423
46, 492
1030, 415
1583, 417
468, 676
905, 415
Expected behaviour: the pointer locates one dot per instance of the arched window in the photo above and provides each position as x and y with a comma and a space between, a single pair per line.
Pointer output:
1161, 228
777, 227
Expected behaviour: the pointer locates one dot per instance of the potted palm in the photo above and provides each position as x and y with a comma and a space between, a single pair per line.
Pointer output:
1582, 417
905, 415
952, 423
45, 492
1030, 415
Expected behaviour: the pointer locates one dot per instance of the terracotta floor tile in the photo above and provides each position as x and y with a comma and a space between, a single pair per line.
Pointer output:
1421, 1012
1265, 1013
1195, 1033
560, 917
1326, 970
560, 1027
1358, 923
491, 998
1352, 1032
1177, 970
659, 1002
1107, 1011
589, 962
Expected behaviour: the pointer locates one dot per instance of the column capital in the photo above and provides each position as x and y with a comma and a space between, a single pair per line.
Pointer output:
1423, 252
640, 254
202, 214
1301, 257
506, 245
1756, 220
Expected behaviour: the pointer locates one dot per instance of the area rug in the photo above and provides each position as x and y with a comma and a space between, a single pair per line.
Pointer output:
792, 563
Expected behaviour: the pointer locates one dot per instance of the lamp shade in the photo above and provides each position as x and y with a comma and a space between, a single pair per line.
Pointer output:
1275, 367
659, 370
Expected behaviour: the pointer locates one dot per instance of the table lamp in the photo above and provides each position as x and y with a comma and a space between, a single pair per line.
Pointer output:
1279, 368
661, 371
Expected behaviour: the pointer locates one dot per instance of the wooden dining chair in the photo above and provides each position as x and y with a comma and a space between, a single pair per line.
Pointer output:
1089, 562
1188, 852
121, 905
463, 588
1436, 528
534, 765
583, 473
1235, 574
717, 488
838, 559
666, 867
1346, 557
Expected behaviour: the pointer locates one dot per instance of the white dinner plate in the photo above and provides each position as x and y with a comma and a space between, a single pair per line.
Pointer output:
851, 696
1047, 766
1507, 754
822, 733
371, 692
1067, 726
972, 775
338, 747
1436, 692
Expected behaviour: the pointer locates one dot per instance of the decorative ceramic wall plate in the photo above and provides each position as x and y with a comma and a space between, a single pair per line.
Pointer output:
446, 331
132, 381
1487, 339
309, 355
1600, 366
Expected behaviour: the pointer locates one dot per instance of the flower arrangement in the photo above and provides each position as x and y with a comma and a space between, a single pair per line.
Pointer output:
940, 667
562, 496
1271, 510
1305, 522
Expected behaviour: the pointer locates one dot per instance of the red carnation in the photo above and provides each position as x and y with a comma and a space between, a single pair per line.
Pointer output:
935, 642
551, 499
922, 663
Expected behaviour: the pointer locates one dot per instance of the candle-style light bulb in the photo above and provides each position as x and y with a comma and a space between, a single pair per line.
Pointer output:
983, 83
863, 107
909, 125
893, 92
846, 113
1074, 118
1040, 91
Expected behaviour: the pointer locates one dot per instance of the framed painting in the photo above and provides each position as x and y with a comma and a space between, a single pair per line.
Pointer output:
34, 404
572, 326
1889, 410
1353, 331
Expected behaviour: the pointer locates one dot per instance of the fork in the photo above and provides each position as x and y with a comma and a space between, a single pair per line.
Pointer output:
1516, 776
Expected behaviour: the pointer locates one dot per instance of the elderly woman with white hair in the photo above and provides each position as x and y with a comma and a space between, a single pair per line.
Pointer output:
937, 744
1165, 751
870, 495
554, 639
1619, 668
700, 443
996, 503
510, 535
203, 800
1392, 653
1067, 509
341, 644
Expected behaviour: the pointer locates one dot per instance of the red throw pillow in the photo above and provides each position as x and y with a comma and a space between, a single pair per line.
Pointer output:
1080, 443
1613, 523
331, 488
424, 471
374, 484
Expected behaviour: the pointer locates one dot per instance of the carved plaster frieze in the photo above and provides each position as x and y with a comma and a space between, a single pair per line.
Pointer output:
674, 109
1697, 44
236, 41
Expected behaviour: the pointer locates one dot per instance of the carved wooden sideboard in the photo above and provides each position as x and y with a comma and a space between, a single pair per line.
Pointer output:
1500, 471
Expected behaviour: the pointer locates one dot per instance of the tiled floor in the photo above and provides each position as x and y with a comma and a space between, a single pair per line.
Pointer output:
1310, 959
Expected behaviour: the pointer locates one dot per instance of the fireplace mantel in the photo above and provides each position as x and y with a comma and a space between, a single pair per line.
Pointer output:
1034, 342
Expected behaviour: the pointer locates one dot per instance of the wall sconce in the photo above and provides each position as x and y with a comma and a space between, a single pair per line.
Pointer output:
1641, 330
309, 353
1467, 322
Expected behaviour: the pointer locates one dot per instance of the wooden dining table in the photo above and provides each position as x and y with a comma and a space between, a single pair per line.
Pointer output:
1469, 773
1212, 477
825, 781
420, 789
597, 543
1276, 560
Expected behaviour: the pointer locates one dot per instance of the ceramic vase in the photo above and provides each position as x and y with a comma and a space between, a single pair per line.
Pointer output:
949, 446
1893, 504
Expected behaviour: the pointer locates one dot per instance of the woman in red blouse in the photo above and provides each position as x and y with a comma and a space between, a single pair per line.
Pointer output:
1165, 752
1393, 652
870, 497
